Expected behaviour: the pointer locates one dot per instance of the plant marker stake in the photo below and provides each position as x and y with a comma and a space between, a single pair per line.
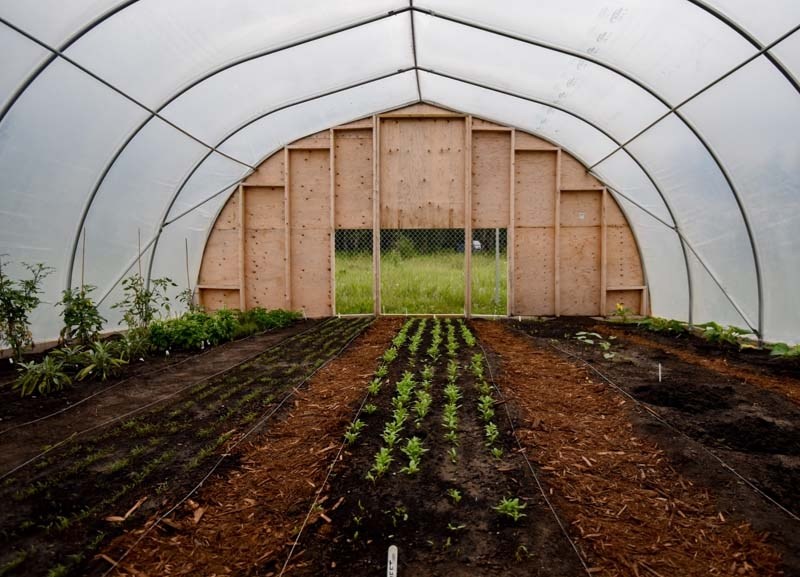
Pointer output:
659, 372
391, 563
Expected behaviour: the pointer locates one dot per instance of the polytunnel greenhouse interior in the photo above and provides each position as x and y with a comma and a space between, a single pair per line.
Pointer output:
433, 288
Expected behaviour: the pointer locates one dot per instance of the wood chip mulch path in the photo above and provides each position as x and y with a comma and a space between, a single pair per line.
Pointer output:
245, 522
624, 504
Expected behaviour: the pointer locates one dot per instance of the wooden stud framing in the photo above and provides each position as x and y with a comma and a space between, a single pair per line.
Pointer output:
510, 235
557, 238
603, 252
287, 254
333, 222
468, 217
491, 129
376, 215
242, 257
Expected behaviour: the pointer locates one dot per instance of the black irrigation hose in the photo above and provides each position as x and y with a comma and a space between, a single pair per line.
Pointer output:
125, 380
530, 466
157, 401
666, 423
216, 465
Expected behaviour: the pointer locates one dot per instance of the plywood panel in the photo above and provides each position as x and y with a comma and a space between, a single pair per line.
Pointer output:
264, 268
353, 178
363, 123
525, 141
311, 269
534, 188
479, 124
422, 173
228, 218
421, 109
631, 299
491, 179
264, 207
614, 215
533, 272
217, 299
310, 233
580, 270
575, 176
624, 267
309, 185
269, 173
581, 208
318, 140
221, 258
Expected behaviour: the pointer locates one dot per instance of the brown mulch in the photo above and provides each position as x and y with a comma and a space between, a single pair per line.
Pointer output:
789, 387
624, 503
245, 522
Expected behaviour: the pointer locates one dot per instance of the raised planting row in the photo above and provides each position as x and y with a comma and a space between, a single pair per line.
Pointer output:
62, 506
430, 468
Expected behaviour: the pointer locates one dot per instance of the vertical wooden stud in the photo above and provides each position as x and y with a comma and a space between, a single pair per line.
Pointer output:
332, 164
510, 232
557, 238
242, 254
287, 252
468, 216
376, 214
603, 252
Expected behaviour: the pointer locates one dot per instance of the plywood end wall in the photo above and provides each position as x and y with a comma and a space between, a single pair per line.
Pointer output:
571, 250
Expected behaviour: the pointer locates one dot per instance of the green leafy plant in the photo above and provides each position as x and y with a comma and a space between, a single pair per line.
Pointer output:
72, 358
455, 495
18, 299
511, 508
492, 433
82, 320
369, 408
141, 304
374, 387
715, 333
101, 361
497, 452
352, 433
661, 325
784, 350
383, 459
452, 454
134, 344
621, 313
43, 377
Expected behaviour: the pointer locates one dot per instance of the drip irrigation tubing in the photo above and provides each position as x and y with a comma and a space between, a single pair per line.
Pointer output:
157, 401
530, 466
671, 427
127, 379
268, 414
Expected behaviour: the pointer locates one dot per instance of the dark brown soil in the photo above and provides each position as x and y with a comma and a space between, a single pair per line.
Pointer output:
715, 403
137, 385
64, 505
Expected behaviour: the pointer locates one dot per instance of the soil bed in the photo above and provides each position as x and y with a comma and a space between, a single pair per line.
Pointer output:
718, 403
64, 505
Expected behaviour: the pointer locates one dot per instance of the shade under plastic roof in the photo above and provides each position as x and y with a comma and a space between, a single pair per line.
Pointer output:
136, 119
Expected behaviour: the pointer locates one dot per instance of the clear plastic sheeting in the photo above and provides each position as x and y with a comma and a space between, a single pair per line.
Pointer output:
753, 120
155, 48
253, 75
55, 21
671, 45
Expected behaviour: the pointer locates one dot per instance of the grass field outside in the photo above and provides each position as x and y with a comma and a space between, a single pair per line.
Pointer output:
422, 283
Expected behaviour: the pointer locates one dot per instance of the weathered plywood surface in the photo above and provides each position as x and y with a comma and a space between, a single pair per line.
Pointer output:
535, 188
631, 299
574, 175
580, 270
491, 179
269, 173
534, 272
216, 299
422, 173
480, 124
525, 141
363, 123
318, 140
221, 258
353, 178
420, 109
310, 233
264, 207
623, 264
264, 268
581, 208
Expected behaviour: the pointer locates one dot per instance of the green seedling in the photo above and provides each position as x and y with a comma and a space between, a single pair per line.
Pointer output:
422, 405
511, 508
414, 448
454, 527
374, 387
497, 452
412, 468
389, 355
492, 433
353, 431
381, 371
369, 409
427, 372
453, 455
383, 459
451, 437
455, 495
452, 393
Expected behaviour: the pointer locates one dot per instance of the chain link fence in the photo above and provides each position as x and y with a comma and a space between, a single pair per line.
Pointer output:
353, 269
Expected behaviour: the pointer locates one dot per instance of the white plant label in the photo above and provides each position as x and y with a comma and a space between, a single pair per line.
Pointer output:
391, 564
